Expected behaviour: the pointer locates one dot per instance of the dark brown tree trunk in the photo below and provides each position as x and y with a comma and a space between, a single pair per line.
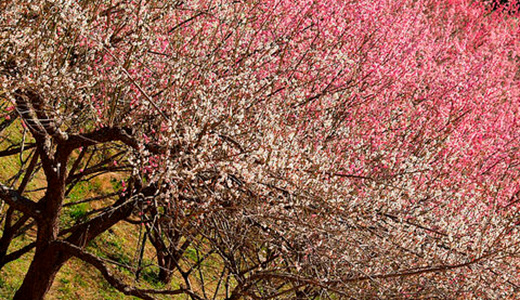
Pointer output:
166, 271
42, 271
167, 259
48, 257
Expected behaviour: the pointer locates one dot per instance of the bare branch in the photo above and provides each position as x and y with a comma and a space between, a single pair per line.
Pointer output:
17, 201
113, 280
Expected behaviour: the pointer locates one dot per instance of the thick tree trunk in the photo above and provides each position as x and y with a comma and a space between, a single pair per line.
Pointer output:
42, 271
166, 260
50, 257
165, 273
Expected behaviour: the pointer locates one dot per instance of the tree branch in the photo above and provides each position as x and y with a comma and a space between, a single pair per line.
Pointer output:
109, 134
16, 254
11, 151
114, 281
18, 202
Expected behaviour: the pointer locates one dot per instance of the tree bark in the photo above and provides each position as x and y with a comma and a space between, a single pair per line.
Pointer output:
42, 271
48, 257
166, 271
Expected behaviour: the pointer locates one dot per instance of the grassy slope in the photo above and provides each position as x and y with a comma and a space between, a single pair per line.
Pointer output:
76, 280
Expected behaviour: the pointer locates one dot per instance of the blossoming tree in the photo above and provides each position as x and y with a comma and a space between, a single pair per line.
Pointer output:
299, 149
